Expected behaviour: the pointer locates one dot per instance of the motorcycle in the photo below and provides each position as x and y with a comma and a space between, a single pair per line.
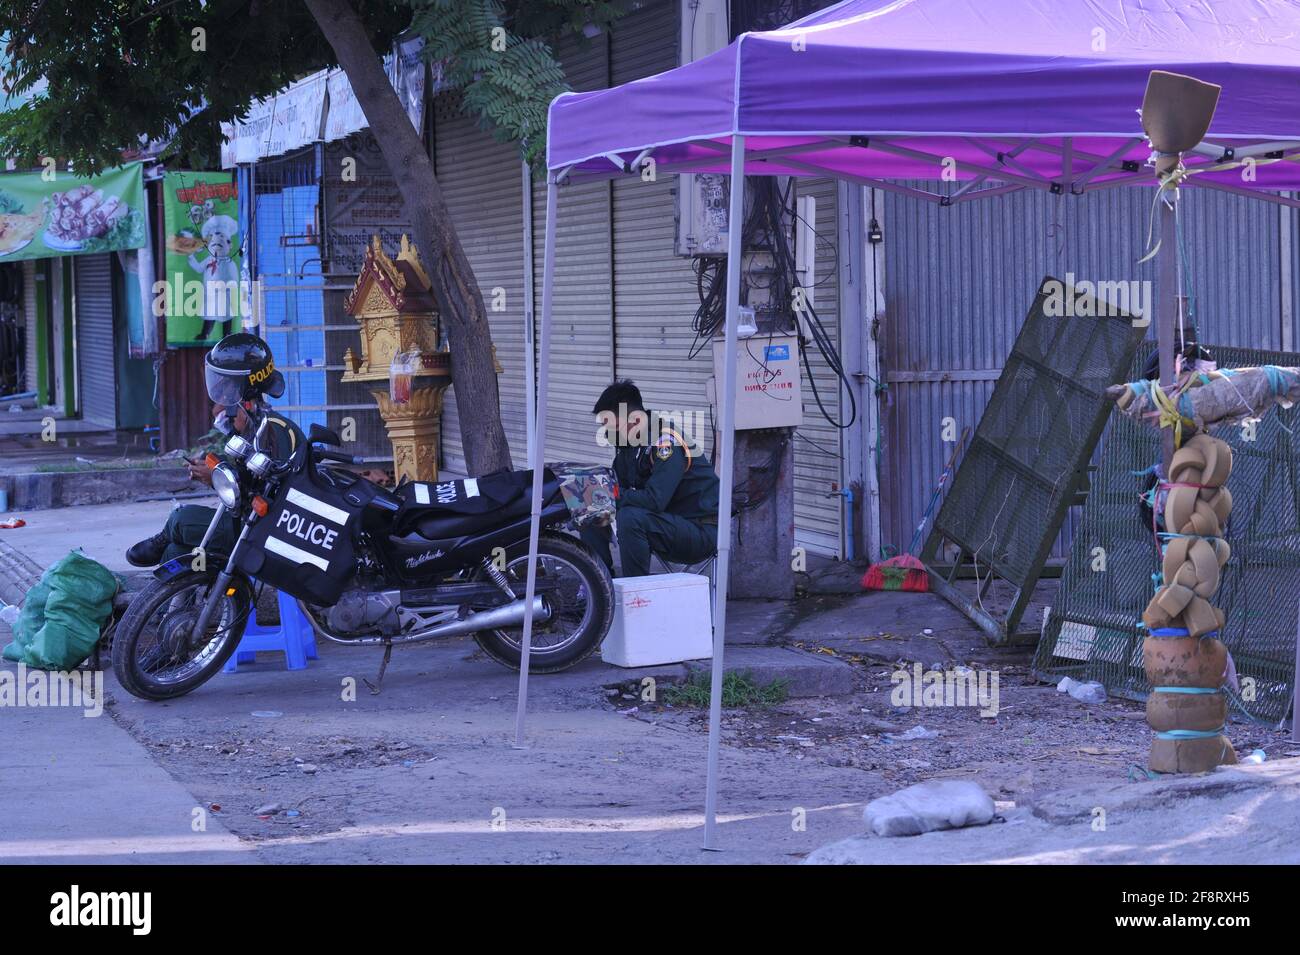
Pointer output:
367, 566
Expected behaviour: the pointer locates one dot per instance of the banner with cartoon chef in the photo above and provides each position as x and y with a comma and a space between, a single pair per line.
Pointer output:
203, 297
52, 212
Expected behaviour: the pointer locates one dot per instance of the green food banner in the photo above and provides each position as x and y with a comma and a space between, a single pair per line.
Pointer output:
205, 298
49, 213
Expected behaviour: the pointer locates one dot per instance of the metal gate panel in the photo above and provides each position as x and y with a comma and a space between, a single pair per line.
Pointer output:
358, 201
306, 338
291, 315
93, 285
1026, 458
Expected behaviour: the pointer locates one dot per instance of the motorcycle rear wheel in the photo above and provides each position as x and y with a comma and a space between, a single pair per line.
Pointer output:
582, 607
151, 635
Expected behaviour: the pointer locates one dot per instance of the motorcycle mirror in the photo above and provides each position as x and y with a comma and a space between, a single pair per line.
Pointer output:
261, 430
274, 387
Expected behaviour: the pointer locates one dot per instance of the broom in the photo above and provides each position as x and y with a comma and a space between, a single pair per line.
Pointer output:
906, 572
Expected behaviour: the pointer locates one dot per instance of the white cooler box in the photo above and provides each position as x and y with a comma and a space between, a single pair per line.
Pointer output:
664, 618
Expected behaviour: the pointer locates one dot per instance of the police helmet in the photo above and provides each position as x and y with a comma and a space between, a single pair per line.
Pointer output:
240, 367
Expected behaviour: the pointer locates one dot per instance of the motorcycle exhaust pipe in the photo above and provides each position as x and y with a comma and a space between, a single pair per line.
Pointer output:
510, 615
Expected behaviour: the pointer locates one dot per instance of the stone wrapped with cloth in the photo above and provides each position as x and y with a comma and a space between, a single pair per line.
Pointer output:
590, 492
1210, 396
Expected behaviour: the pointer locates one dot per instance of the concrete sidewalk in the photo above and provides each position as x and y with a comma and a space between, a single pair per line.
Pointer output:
102, 531
80, 790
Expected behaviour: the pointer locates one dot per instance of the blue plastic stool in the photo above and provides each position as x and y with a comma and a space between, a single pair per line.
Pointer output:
294, 638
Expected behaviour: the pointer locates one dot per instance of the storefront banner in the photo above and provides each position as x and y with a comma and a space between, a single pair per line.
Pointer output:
202, 296
278, 124
50, 213
293, 117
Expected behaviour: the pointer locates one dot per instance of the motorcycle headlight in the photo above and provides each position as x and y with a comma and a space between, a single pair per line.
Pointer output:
259, 464
238, 447
226, 483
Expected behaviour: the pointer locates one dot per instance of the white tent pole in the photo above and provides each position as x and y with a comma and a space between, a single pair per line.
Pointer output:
727, 391
530, 357
538, 449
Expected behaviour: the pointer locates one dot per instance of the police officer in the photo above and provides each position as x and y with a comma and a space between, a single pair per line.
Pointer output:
667, 490
240, 374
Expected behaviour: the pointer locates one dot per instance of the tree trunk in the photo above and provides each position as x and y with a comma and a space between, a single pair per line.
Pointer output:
454, 286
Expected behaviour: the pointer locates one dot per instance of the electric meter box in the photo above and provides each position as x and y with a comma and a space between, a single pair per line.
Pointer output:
663, 618
768, 393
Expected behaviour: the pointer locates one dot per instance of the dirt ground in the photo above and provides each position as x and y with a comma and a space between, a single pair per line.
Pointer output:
425, 771
1040, 740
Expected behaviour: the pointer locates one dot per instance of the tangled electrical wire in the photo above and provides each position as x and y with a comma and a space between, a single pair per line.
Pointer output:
764, 230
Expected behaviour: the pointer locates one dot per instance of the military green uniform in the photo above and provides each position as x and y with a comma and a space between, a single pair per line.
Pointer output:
187, 524
667, 504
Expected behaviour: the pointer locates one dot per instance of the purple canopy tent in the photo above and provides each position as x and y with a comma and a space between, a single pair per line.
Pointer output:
1006, 94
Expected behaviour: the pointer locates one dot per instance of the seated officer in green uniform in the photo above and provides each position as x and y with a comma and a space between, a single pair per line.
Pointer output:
667, 490
240, 373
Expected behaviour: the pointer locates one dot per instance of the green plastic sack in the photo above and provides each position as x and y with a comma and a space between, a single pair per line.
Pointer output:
62, 614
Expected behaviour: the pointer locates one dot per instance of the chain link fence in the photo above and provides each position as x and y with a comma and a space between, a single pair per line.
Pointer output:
1093, 633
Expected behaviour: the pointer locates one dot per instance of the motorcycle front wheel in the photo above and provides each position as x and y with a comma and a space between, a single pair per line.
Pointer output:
581, 596
155, 654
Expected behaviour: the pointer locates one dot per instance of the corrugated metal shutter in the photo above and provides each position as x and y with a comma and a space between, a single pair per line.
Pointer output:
93, 283
959, 281
29, 316
655, 290
581, 350
481, 183
655, 297
818, 455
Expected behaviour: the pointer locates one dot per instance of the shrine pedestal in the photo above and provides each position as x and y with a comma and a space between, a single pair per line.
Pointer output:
413, 428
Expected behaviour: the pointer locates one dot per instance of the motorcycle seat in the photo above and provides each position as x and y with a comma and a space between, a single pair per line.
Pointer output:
446, 509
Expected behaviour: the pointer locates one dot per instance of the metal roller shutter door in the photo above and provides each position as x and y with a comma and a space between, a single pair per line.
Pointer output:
655, 299
29, 316
655, 295
818, 450
581, 350
480, 180
93, 284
